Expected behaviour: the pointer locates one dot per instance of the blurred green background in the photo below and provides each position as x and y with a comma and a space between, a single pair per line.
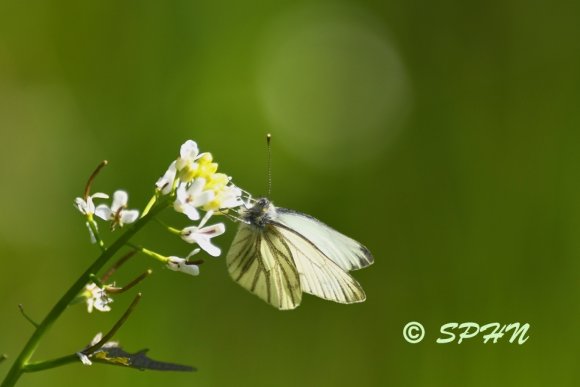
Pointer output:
443, 135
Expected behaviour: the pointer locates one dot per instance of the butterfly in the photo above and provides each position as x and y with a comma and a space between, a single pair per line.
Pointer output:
278, 254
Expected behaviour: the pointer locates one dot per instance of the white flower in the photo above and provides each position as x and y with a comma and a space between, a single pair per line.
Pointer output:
87, 207
188, 198
181, 264
84, 358
230, 197
187, 154
187, 163
165, 183
97, 298
117, 212
202, 235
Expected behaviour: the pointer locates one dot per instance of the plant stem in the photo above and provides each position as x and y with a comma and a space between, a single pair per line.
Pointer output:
22, 360
45, 365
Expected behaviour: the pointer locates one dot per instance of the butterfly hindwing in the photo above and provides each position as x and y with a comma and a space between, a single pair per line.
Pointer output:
261, 262
347, 253
319, 275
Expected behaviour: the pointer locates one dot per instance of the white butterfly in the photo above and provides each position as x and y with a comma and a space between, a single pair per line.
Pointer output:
278, 253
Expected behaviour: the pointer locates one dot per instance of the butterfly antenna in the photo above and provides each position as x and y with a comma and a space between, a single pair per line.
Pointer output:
268, 140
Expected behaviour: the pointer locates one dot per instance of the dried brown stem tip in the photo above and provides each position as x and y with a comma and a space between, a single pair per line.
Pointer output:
130, 284
92, 177
27, 317
117, 265
115, 327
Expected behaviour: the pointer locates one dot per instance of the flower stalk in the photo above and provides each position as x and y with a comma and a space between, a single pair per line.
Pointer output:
22, 361
192, 187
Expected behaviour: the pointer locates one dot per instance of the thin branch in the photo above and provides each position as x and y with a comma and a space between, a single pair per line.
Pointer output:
92, 177
47, 364
27, 317
117, 265
29, 348
115, 327
115, 290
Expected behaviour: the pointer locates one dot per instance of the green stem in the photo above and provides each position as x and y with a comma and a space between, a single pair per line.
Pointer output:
150, 253
22, 360
74, 358
45, 365
93, 226
149, 205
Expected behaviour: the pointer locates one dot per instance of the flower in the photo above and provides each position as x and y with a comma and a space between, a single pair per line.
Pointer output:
165, 183
189, 197
86, 206
182, 264
227, 197
185, 163
206, 167
117, 212
97, 298
202, 235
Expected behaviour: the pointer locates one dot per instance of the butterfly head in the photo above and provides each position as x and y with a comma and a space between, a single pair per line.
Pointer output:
260, 213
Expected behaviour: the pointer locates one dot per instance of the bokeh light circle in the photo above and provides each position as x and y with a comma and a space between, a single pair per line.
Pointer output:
332, 86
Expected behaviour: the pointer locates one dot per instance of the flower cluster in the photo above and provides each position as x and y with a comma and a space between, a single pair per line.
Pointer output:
197, 185
191, 186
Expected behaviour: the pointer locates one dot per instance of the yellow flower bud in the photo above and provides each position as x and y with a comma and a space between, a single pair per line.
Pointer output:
189, 172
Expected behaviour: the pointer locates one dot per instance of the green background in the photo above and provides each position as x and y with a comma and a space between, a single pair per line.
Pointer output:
442, 135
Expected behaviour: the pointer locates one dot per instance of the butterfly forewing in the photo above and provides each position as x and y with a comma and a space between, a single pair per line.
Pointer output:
319, 275
261, 262
347, 253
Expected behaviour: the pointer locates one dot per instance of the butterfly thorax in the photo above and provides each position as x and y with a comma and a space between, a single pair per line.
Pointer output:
260, 214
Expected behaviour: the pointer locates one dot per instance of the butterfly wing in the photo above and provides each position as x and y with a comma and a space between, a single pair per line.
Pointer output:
319, 275
260, 261
347, 253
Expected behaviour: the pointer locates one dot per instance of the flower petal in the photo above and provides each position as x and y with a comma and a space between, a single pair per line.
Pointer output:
81, 205
202, 198
97, 338
213, 230
191, 212
190, 269
84, 358
104, 212
208, 247
120, 199
189, 150
100, 195
196, 186
181, 193
206, 217
165, 183
129, 216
